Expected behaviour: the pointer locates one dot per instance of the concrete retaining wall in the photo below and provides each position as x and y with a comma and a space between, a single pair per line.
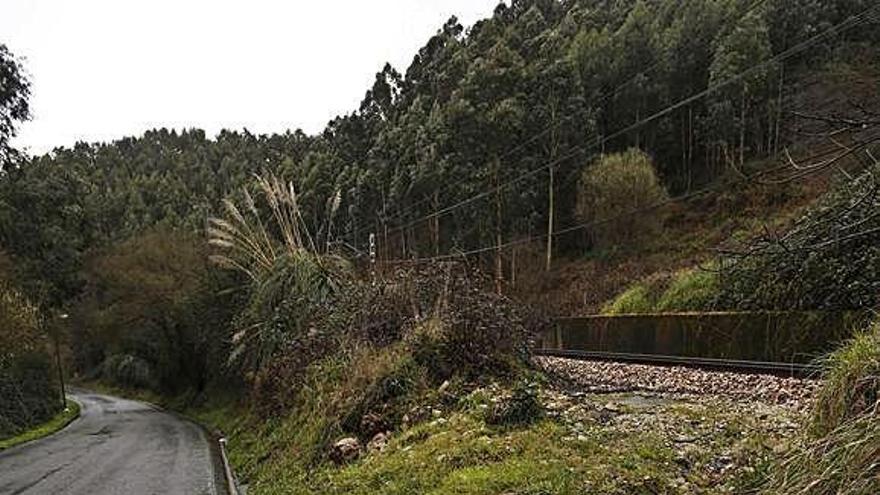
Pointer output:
789, 337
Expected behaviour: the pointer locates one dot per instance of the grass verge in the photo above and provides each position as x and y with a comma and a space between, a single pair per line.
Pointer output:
593, 444
58, 422
841, 452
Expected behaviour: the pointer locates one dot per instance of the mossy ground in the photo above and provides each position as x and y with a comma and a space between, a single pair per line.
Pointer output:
610, 443
59, 421
446, 439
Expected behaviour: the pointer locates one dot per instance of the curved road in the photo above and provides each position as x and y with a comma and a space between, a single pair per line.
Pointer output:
117, 446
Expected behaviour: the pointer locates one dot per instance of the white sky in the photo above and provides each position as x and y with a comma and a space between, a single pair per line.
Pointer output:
104, 69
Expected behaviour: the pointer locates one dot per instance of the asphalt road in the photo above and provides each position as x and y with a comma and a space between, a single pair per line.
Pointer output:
117, 446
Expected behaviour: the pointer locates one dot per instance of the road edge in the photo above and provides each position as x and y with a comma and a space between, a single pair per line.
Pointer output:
223, 473
231, 483
61, 427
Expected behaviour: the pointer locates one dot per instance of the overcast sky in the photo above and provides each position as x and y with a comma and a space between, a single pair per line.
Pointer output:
103, 69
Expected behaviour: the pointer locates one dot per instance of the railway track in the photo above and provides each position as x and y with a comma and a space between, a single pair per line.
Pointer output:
753, 367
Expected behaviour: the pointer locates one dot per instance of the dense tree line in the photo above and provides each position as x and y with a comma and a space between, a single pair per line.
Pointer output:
541, 86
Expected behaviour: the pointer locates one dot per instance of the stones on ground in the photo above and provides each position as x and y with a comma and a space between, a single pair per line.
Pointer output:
345, 450
416, 415
443, 387
371, 424
711, 440
609, 377
612, 407
378, 442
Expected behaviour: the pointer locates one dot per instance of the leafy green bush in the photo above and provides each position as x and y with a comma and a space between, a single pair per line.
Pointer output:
522, 407
693, 289
615, 186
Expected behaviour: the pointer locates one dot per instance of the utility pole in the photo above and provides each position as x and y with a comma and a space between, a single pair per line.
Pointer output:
56, 334
373, 258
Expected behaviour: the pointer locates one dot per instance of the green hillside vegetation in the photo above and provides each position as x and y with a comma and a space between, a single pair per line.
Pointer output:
688, 290
540, 82
231, 276
825, 260
27, 377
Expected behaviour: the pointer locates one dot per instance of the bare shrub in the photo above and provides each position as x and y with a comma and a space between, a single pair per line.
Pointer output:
439, 316
470, 331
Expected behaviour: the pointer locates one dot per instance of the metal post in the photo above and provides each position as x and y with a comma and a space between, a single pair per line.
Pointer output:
58, 363
373, 257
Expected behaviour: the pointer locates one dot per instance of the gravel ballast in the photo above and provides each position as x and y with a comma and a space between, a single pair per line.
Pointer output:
607, 377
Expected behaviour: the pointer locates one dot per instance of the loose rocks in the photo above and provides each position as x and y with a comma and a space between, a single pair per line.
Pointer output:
601, 376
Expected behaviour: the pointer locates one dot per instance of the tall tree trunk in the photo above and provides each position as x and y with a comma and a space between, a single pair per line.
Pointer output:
499, 266
638, 132
553, 151
683, 166
385, 246
779, 107
551, 212
403, 236
691, 140
742, 129
513, 266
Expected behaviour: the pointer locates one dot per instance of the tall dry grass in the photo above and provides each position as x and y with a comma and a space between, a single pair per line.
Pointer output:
842, 455
266, 239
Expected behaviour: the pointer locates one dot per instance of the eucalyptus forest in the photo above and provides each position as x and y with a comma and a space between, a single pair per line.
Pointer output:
357, 311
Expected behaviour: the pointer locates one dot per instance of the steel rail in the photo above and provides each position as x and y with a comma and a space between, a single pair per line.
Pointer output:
735, 365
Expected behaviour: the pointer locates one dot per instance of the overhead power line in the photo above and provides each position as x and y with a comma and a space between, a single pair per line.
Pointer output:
596, 223
849, 23
604, 98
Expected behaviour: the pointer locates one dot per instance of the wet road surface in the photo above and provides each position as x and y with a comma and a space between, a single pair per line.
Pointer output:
117, 446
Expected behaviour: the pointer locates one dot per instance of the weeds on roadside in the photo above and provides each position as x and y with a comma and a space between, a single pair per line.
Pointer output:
842, 457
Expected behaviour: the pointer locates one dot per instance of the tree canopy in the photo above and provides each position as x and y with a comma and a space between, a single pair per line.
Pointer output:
490, 126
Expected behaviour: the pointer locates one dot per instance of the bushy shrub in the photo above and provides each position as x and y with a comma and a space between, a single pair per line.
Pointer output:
469, 332
264, 239
615, 194
28, 389
440, 316
522, 407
